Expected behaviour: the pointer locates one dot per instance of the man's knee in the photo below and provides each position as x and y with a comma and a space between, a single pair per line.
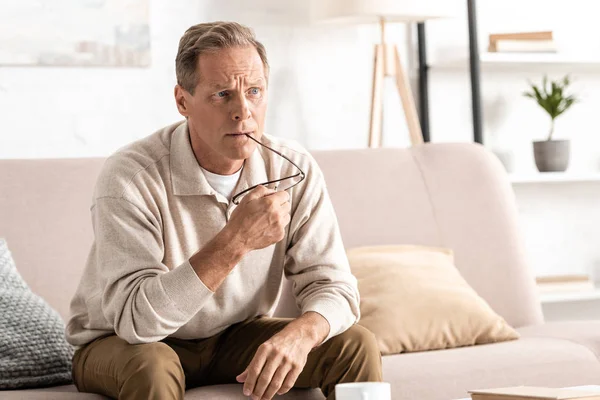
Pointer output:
155, 364
357, 341
358, 358
117, 369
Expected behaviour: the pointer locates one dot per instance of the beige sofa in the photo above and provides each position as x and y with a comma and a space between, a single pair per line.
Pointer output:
454, 195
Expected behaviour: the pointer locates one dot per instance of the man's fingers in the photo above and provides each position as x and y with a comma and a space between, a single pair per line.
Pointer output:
283, 196
256, 193
265, 378
287, 207
254, 370
263, 191
289, 381
277, 199
276, 382
241, 378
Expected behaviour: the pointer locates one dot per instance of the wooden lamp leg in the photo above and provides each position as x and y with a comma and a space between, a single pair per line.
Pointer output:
408, 102
387, 63
376, 98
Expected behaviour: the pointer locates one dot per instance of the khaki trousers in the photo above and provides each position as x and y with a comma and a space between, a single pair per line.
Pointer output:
164, 370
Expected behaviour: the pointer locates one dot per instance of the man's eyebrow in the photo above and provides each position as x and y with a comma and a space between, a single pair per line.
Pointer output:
219, 85
259, 81
228, 85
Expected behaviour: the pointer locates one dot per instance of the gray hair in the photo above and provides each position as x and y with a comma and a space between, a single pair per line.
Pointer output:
210, 37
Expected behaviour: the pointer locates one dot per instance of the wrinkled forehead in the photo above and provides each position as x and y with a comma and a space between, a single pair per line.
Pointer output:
227, 66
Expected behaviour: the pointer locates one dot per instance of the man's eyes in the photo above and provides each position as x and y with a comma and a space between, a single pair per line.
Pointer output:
255, 91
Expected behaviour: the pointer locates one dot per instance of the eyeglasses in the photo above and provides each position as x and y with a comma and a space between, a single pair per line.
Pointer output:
287, 182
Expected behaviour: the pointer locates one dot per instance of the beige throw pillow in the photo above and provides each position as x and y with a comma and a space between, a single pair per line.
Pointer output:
413, 298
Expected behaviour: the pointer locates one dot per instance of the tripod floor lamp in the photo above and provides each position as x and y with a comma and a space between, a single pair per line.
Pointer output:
387, 58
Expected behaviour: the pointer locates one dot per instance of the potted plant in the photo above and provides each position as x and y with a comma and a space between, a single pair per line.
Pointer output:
552, 155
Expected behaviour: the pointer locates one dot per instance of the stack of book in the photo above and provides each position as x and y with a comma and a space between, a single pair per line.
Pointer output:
565, 284
522, 42
536, 393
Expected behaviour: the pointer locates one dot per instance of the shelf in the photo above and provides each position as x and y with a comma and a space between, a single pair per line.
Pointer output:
554, 177
522, 60
546, 298
536, 58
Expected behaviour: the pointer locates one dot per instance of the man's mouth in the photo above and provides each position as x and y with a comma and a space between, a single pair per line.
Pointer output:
239, 133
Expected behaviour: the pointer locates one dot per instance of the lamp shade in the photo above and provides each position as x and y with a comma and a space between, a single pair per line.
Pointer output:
372, 11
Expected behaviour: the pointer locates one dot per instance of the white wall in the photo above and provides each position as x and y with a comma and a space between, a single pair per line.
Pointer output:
320, 95
320, 88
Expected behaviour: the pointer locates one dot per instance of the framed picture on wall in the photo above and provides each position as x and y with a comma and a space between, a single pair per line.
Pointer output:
103, 33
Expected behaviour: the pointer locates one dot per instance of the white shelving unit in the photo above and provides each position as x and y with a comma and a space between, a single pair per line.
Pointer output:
574, 306
556, 306
547, 298
555, 177
511, 61
508, 59
564, 305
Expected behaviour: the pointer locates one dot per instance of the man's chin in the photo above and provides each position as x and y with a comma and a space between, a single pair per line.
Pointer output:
241, 152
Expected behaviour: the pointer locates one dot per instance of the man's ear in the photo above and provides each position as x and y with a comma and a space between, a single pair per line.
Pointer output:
182, 101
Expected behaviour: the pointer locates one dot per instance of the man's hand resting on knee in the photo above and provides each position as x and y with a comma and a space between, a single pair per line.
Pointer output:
279, 361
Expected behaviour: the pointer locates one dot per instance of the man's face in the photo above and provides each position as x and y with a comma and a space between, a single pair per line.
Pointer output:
230, 99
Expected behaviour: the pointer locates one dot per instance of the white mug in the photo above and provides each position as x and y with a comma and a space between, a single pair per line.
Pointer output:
363, 391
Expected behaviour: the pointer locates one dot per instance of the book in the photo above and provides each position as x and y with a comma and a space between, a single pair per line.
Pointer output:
541, 35
523, 42
534, 393
565, 283
522, 46
563, 278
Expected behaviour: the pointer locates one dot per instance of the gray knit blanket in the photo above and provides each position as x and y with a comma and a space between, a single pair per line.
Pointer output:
33, 349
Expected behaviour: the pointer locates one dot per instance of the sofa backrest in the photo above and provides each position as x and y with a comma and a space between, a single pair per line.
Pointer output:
45, 219
454, 195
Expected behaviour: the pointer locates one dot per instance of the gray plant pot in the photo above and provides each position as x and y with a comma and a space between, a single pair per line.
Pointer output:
552, 155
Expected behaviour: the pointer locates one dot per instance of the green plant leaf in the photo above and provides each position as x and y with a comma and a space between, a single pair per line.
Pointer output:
538, 95
551, 96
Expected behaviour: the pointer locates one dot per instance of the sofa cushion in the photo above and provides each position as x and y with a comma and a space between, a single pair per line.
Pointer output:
413, 298
234, 392
586, 333
217, 392
64, 392
33, 350
435, 375
449, 374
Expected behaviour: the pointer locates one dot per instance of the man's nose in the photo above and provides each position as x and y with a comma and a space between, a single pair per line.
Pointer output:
240, 111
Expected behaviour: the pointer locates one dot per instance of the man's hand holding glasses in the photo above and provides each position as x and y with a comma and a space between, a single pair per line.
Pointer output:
283, 184
260, 219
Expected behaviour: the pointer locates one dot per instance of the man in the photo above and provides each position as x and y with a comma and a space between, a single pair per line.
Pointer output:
181, 279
